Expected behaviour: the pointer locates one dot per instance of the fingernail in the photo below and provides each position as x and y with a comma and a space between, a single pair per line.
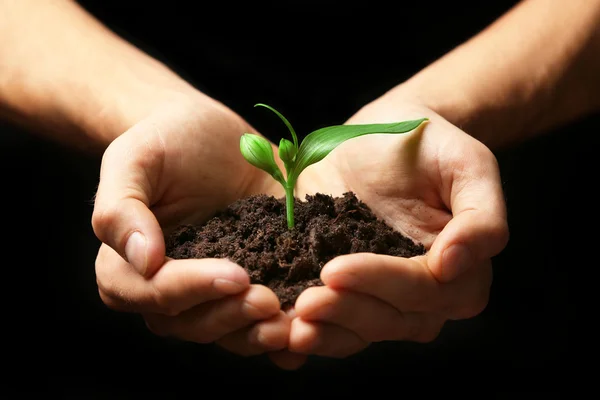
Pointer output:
323, 313
343, 281
136, 252
290, 311
263, 340
228, 287
251, 311
455, 260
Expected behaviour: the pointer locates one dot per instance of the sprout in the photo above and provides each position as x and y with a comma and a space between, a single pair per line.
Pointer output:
315, 146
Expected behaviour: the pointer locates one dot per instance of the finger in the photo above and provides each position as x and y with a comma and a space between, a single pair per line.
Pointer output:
371, 319
287, 360
408, 284
323, 339
478, 229
178, 286
211, 321
403, 283
268, 335
122, 217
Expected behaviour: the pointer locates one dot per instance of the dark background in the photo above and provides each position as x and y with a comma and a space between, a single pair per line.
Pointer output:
317, 62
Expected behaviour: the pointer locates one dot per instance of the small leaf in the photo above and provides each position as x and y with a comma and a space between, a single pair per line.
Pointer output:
285, 121
258, 151
318, 144
287, 151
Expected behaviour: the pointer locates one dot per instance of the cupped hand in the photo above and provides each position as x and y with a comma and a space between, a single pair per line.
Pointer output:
180, 165
437, 185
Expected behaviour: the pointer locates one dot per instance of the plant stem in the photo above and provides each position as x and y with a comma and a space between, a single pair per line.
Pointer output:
289, 202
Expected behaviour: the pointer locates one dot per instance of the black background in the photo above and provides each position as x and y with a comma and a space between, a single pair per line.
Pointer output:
317, 62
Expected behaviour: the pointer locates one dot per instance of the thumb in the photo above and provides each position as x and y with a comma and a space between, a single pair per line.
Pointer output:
478, 229
122, 218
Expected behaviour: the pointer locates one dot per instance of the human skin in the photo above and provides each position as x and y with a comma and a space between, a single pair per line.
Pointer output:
436, 185
534, 69
95, 87
86, 88
145, 189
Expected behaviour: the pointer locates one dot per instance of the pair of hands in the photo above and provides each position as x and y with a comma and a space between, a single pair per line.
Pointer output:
437, 185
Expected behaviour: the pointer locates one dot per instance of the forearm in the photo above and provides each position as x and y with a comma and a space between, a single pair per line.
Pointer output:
64, 74
535, 68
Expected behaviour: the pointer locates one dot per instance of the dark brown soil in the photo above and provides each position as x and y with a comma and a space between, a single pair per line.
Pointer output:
253, 233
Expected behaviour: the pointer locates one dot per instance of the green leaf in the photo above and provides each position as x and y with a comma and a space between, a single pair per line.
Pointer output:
258, 151
318, 144
285, 121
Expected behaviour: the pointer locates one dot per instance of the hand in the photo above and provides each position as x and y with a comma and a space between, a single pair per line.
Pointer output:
437, 185
180, 165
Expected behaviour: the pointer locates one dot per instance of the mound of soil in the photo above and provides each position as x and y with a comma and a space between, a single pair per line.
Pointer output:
253, 233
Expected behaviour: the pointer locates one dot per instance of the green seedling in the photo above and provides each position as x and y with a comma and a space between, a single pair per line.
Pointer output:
316, 145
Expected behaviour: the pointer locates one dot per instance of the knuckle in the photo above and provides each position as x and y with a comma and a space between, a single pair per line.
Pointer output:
472, 309
479, 303
107, 300
112, 290
103, 217
170, 310
413, 300
475, 298
379, 332
106, 285
206, 332
478, 306
305, 345
428, 335
222, 324
219, 321
486, 153
166, 309
163, 302
500, 231
156, 328
429, 329
272, 343
417, 300
203, 336
100, 260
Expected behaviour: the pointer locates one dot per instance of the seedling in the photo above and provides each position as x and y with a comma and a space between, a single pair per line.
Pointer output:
316, 145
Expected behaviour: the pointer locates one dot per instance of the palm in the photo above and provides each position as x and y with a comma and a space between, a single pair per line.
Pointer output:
180, 165
398, 176
192, 163
409, 180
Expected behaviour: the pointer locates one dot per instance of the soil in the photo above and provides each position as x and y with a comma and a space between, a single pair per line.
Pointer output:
253, 233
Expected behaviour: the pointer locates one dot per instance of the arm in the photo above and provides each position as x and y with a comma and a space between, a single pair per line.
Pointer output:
64, 74
535, 68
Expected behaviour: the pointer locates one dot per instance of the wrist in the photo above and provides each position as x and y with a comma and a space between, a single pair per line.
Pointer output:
486, 119
454, 106
125, 98
109, 116
82, 85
